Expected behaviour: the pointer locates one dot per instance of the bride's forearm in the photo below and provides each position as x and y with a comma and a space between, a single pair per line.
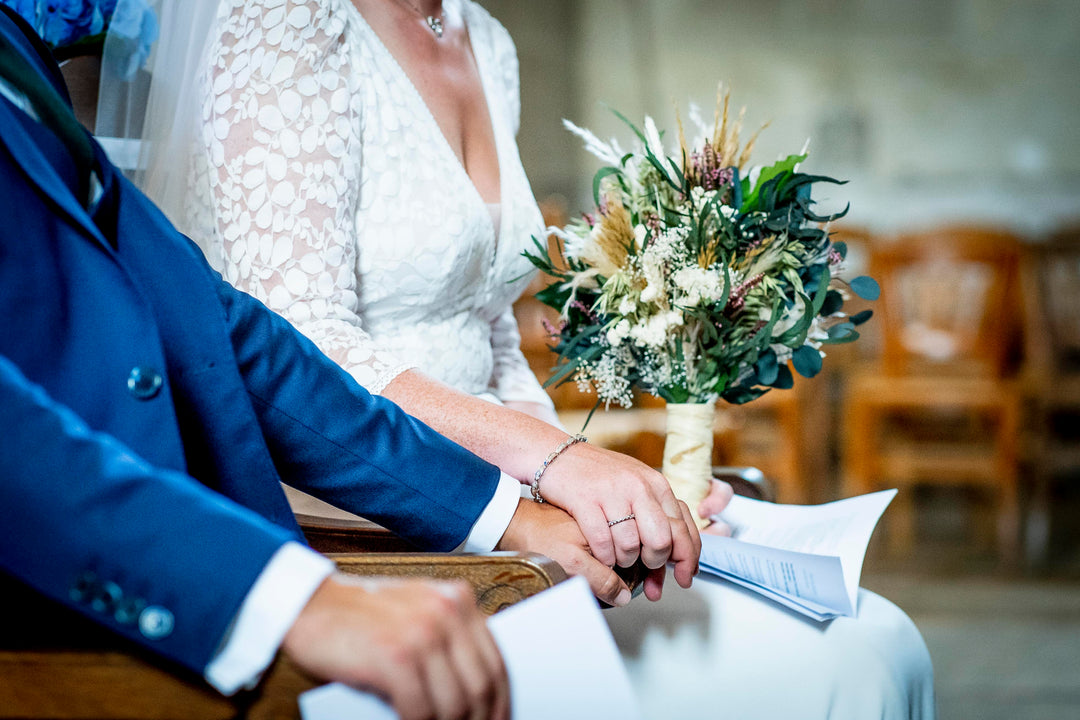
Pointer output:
514, 441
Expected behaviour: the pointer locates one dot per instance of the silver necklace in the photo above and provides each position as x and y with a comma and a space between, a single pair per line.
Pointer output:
433, 21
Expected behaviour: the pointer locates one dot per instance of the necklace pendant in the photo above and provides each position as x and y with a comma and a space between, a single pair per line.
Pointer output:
435, 24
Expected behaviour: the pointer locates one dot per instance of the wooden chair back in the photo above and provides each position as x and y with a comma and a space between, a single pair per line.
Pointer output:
949, 301
1051, 291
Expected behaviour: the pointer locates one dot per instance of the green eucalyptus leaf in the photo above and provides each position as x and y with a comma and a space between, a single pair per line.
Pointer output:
866, 287
840, 329
841, 333
852, 336
741, 395
737, 190
807, 361
767, 367
860, 317
784, 379
834, 302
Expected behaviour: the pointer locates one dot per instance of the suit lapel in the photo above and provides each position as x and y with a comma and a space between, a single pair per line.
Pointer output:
37, 168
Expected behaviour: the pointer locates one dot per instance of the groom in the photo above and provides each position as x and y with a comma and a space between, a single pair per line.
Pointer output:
148, 413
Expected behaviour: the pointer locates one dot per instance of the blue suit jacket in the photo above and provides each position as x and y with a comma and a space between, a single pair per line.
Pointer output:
148, 411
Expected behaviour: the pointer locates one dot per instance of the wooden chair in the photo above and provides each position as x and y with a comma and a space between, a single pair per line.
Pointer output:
1050, 378
82, 673
940, 407
785, 434
789, 434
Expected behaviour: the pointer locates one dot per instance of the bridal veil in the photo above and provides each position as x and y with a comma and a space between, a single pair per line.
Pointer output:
155, 111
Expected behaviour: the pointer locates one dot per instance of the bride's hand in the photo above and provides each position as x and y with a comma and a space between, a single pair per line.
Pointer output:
598, 486
719, 496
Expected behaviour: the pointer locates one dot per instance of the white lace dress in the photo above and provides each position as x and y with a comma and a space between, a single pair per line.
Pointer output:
326, 189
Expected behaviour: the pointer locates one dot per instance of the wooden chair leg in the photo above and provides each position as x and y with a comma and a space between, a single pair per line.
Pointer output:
861, 444
1036, 540
1008, 529
901, 523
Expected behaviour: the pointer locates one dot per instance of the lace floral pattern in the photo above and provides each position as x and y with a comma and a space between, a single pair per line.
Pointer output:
326, 189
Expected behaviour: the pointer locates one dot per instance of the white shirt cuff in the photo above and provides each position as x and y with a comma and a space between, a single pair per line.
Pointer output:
493, 521
272, 605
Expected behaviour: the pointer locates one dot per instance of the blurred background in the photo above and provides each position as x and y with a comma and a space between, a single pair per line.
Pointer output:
956, 124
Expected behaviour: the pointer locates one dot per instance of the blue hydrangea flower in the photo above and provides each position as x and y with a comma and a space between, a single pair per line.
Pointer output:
26, 8
62, 22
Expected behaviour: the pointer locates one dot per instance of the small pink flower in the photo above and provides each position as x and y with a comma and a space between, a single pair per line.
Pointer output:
550, 329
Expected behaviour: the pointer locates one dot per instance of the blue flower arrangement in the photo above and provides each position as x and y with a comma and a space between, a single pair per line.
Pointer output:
76, 27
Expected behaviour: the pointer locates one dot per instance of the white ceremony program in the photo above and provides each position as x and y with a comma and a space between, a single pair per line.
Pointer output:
559, 654
807, 557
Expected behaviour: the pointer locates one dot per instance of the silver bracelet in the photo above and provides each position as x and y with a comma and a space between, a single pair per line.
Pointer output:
572, 440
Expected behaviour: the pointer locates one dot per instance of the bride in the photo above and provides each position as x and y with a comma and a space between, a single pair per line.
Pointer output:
356, 169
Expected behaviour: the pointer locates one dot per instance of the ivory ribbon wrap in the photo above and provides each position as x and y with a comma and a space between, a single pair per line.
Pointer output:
688, 452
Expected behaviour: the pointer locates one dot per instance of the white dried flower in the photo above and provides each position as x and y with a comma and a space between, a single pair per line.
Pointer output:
653, 331
652, 138
698, 285
609, 152
619, 332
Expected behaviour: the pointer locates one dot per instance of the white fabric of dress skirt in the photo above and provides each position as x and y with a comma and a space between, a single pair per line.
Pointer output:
719, 650
325, 188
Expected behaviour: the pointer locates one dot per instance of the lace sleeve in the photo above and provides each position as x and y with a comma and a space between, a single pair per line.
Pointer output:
506, 60
511, 377
281, 124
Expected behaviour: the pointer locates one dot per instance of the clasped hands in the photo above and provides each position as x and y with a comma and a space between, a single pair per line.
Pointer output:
596, 486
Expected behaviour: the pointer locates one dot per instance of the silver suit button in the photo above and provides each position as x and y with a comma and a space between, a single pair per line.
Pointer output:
156, 622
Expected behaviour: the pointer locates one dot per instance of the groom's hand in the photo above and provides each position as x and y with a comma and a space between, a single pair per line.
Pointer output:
545, 529
423, 646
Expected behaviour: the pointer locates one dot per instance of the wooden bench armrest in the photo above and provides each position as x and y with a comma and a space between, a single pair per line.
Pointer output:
340, 535
499, 579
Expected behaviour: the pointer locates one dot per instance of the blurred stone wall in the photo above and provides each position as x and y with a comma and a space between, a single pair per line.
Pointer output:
935, 110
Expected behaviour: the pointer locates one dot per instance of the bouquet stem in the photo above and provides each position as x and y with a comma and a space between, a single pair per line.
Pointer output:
688, 452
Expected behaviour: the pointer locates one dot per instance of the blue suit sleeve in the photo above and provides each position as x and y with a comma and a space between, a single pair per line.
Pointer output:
360, 452
150, 554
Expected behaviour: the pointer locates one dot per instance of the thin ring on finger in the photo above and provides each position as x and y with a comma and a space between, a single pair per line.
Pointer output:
613, 523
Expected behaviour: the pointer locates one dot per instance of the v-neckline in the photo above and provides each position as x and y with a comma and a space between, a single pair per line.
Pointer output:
443, 141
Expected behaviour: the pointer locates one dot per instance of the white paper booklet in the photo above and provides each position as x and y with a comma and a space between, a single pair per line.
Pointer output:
807, 557
559, 654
